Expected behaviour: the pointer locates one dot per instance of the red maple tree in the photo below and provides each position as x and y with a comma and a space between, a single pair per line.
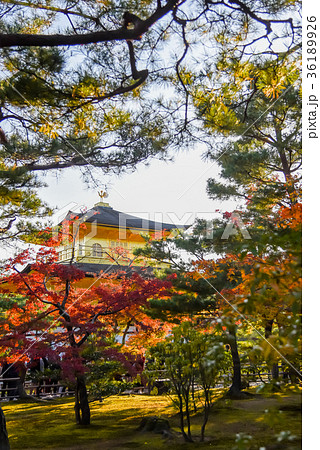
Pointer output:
47, 315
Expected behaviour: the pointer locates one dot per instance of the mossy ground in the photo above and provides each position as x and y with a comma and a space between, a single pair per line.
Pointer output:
50, 425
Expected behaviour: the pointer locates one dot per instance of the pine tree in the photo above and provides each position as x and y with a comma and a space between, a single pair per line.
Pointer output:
81, 81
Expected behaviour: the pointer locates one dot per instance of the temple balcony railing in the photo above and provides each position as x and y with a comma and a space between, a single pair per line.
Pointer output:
100, 254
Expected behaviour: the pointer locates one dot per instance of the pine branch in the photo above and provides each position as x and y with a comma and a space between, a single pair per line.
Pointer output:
120, 34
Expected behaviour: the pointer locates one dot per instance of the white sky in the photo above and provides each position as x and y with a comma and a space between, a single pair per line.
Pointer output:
163, 191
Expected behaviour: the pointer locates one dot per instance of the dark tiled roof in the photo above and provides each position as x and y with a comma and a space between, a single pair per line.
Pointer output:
96, 269
105, 215
92, 270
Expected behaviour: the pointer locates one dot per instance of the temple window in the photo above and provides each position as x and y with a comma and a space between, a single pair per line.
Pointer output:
97, 250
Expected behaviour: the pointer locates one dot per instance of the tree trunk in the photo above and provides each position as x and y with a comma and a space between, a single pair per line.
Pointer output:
267, 332
235, 388
188, 415
4, 440
21, 390
184, 434
81, 407
275, 371
206, 412
268, 328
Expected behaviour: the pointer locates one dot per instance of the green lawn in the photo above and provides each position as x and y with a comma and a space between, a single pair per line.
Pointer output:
115, 421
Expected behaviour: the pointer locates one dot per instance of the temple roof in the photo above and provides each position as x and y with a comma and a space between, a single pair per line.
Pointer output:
103, 214
93, 269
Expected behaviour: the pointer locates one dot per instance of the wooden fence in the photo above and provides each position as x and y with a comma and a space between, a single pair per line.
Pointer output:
9, 389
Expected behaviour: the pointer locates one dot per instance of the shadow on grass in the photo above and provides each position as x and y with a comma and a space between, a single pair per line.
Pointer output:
115, 423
